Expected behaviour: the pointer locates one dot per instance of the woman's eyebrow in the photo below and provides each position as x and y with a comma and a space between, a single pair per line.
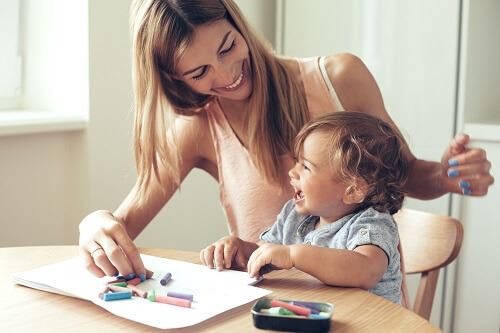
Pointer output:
218, 50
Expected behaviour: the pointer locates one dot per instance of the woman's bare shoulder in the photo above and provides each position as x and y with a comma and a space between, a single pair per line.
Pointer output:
353, 82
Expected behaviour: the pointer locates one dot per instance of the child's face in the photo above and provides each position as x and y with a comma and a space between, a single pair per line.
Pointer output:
317, 191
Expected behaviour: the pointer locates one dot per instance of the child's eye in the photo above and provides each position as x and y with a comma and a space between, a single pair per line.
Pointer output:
305, 167
201, 75
222, 52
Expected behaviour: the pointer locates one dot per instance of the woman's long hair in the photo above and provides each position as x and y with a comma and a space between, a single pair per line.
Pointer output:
161, 31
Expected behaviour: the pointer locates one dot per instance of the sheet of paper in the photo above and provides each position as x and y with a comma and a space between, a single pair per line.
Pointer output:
214, 292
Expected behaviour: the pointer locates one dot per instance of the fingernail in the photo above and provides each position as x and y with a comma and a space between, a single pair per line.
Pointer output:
130, 276
453, 172
142, 276
464, 184
452, 162
466, 191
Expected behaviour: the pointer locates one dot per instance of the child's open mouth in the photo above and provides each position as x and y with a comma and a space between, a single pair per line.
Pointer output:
299, 195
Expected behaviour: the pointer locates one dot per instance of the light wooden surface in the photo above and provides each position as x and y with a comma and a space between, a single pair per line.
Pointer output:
429, 242
27, 310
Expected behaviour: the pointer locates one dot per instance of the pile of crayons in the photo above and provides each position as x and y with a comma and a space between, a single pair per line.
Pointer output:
126, 287
295, 308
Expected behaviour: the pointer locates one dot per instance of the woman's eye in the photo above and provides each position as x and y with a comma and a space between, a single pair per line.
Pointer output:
222, 52
201, 75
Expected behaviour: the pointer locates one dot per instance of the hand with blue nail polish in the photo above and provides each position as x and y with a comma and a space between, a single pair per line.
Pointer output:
466, 170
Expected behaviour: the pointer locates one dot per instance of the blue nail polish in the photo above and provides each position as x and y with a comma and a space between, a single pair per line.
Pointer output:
142, 276
453, 173
452, 162
466, 191
130, 276
464, 184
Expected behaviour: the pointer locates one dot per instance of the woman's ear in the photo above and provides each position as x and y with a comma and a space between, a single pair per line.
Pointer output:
355, 193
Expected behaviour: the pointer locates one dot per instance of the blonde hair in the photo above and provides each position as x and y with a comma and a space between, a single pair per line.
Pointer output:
361, 146
161, 31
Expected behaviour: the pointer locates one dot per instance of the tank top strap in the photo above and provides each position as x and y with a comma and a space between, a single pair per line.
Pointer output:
320, 93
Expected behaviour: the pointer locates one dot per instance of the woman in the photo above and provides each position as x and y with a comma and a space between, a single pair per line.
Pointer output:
234, 110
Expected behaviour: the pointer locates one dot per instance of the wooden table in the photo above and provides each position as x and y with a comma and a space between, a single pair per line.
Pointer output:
27, 310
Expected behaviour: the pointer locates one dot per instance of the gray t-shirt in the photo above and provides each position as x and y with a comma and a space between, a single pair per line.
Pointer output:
365, 227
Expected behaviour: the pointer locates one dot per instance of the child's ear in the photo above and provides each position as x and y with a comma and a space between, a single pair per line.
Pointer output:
355, 193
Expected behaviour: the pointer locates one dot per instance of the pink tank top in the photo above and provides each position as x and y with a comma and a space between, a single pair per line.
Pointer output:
249, 202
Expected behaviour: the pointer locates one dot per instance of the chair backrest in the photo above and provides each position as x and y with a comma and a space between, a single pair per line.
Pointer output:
428, 243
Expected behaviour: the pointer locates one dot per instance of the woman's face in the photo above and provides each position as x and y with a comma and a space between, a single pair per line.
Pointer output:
217, 62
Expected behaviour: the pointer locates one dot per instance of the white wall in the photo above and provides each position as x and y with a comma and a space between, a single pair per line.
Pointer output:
44, 183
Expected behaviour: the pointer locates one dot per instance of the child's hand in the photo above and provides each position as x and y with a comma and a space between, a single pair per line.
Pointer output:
227, 252
274, 254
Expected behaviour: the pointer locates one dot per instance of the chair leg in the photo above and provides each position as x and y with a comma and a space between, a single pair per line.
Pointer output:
425, 293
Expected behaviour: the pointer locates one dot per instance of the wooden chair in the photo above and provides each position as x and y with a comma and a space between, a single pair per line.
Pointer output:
428, 243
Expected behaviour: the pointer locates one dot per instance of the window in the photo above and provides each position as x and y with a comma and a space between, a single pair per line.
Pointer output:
10, 58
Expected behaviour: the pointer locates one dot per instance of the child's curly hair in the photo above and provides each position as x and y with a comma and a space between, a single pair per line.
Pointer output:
364, 147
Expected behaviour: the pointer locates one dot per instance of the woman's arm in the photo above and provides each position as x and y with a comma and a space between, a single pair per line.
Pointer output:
113, 232
358, 90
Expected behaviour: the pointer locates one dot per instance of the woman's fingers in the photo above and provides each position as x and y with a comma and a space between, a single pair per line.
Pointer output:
219, 256
208, 254
101, 253
469, 173
89, 263
131, 261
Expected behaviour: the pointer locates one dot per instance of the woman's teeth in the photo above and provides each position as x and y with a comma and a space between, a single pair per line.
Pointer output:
236, 83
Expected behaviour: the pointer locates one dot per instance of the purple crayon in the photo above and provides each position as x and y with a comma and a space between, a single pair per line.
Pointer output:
164, 280
177, 294
315, 309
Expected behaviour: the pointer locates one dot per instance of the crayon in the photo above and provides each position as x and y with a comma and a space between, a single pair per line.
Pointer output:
117, 296
134, 281
177, 294
315, 308
294, 308
137, 291
168, 300
164, 280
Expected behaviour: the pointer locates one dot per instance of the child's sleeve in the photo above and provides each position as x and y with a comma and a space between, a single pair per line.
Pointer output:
274, 234
374, 228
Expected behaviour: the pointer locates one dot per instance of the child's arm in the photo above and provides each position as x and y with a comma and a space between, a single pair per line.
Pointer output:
362, 267
227, 252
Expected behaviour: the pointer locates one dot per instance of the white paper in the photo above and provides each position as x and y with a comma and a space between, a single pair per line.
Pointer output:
214, 292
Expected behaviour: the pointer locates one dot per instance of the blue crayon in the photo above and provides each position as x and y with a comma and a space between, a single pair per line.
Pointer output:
164, 280
117, 296
177, 294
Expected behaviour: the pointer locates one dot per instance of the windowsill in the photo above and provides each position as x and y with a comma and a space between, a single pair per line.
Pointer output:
32, 122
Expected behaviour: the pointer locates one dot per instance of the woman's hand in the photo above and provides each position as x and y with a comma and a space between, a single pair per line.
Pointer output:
227, 252
466, 170
269, 254
107, 249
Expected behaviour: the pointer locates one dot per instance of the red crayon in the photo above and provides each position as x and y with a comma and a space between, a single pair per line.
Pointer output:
294, 308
